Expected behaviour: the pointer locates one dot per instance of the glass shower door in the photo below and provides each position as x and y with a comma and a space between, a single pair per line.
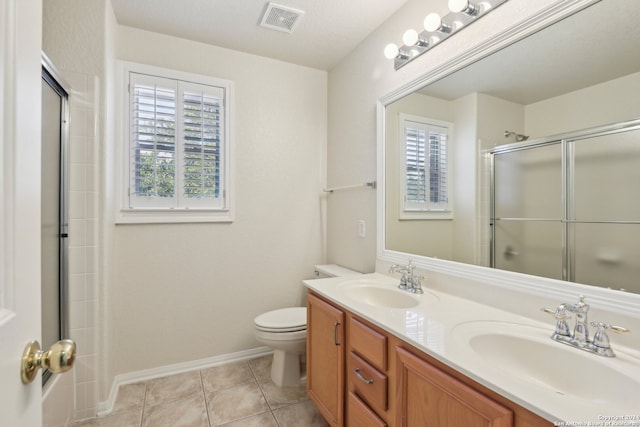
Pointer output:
604, 212
528, 234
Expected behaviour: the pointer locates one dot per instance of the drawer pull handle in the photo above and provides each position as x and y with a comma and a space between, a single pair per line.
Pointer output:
361, 377
335, 333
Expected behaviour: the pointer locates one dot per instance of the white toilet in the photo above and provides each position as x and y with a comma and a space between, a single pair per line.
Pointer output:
285, 330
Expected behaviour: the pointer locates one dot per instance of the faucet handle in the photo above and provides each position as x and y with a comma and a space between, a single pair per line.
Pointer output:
618, 329
555, 313
562, 328
601, 339
417, 285
613, 328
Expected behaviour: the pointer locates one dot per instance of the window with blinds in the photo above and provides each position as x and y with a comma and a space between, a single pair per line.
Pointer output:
425, 166
178, 144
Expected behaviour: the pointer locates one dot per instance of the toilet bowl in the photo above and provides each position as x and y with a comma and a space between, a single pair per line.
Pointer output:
285, 330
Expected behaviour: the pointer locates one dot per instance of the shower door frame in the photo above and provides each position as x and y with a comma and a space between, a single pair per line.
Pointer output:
52, 77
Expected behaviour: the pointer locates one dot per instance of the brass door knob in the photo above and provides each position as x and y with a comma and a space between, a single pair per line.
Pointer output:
58, 359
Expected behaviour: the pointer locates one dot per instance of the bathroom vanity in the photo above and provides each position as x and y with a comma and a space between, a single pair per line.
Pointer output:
380, 356
388, 382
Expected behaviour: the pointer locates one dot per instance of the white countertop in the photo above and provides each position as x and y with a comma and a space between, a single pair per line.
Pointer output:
442, 325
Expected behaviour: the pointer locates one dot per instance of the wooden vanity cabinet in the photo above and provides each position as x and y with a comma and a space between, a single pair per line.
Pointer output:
325, 359
398, 386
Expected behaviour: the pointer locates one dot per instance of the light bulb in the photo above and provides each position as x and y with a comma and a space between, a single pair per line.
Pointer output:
391, 51
410, 37
458, 5
432, 22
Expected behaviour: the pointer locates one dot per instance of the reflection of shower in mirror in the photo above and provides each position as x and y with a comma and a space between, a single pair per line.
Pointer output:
519, 136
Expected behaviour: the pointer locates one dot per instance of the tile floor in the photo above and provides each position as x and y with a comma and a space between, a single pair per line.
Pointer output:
239, 394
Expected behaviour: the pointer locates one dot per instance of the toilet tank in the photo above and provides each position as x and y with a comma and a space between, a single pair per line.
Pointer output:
323, 272
333, 270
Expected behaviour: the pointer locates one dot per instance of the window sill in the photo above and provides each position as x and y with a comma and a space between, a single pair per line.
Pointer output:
425, 215
172, 216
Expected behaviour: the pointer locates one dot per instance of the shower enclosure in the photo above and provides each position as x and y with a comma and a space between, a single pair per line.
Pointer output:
568, 207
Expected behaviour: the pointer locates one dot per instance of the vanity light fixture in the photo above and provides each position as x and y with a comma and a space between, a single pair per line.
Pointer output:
437, 29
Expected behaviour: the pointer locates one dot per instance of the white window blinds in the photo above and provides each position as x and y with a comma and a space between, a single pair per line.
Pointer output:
177, 144
202, 146
425, 170
153, 141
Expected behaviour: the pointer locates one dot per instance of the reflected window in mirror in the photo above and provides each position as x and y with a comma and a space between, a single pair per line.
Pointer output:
424, 179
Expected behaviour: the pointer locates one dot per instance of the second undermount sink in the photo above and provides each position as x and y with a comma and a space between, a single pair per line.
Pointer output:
528, 353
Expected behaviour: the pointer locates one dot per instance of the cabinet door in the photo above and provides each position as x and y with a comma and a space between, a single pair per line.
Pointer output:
427, 396
325, 358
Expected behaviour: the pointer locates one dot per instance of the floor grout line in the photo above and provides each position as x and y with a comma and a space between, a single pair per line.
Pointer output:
204, 398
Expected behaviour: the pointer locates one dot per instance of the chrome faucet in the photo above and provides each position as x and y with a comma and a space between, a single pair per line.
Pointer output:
580, 336
408, 281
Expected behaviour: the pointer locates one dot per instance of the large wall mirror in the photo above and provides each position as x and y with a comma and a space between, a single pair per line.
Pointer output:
575, 77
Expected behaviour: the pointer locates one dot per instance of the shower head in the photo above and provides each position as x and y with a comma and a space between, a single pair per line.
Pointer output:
519, 137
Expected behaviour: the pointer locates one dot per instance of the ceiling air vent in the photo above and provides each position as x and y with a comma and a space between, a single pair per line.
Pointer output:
281, 18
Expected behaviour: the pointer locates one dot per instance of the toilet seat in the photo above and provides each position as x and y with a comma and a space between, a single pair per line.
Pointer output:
290, 319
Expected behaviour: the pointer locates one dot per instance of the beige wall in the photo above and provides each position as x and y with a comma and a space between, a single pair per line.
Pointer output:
602, 104
464, 158
182, 292
495, 115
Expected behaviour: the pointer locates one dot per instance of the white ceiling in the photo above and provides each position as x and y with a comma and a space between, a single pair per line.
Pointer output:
327, 32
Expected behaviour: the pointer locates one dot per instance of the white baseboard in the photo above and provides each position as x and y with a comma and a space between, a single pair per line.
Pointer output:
105, 408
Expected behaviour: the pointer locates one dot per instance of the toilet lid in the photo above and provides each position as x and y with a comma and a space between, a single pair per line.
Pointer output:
284, 319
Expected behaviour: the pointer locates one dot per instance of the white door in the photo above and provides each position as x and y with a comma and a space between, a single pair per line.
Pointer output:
20, 41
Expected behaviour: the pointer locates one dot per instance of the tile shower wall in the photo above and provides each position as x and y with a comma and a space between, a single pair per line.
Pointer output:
83, 232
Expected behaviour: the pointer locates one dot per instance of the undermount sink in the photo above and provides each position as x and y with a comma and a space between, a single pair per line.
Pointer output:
382, 297
386, 295
528, 353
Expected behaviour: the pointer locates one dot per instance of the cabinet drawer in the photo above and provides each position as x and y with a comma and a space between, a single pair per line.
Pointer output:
368, 382
360, 415
368, 343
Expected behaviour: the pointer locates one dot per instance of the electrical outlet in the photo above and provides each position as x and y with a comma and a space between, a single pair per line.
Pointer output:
362, 228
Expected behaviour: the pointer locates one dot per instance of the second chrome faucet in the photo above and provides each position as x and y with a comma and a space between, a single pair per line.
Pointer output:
579, 337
